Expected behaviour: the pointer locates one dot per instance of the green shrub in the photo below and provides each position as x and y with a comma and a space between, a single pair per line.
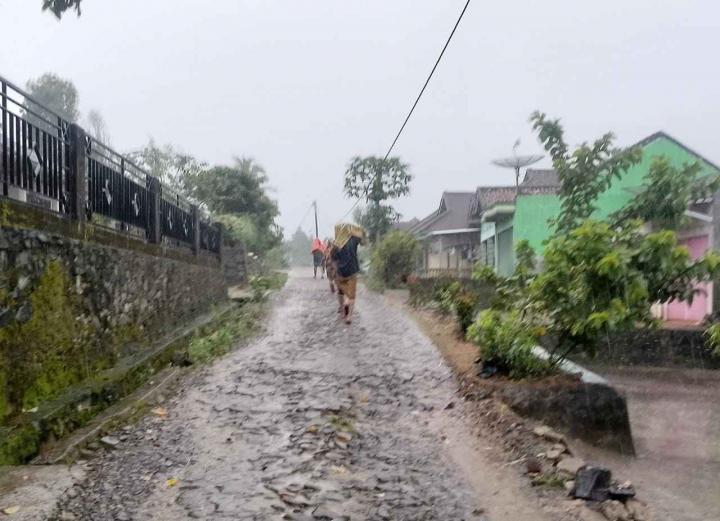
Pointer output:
393, 259
261, 284
447, 295
465, 306
506, 342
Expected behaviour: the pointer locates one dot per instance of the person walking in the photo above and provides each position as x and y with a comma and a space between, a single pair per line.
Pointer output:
344, 254
329, 265
318, 253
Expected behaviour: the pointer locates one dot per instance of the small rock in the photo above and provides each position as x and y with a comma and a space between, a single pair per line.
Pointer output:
570, 465
327, 513
622, 492
109, 442
86, 453
24, 313
613, 510
569, 486
67, 516
546, 432
586, 514
638, 510
5, 317
23, 282
450, 405
533, 465
553, 454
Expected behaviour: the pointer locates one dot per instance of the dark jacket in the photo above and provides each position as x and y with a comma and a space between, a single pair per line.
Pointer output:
346, 258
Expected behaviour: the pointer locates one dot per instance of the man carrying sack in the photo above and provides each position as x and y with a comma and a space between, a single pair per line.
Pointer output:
344, 254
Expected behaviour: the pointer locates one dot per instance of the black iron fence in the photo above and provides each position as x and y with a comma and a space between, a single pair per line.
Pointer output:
49, 162
35, 151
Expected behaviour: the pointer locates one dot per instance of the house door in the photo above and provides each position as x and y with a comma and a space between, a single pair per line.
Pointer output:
695, 312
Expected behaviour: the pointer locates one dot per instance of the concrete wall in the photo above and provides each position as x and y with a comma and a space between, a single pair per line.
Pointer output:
71, 308
505, 253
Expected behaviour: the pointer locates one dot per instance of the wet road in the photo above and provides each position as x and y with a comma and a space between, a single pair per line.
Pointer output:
675, 419
316, 420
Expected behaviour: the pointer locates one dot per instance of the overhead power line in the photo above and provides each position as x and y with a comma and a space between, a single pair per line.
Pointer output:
417, 100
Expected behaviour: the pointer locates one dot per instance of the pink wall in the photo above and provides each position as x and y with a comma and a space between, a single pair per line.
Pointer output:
695, 312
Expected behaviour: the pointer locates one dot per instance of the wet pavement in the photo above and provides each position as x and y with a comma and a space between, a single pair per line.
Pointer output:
675, 419
315, 420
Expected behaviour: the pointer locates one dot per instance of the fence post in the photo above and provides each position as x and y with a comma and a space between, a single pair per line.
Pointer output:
196, 229
154, 206
4, 130
78, 174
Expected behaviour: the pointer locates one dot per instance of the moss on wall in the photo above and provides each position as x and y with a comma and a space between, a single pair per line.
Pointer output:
20, 446
46, 351
4, 404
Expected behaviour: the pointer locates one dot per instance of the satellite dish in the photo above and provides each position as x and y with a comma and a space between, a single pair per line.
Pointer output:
517, 162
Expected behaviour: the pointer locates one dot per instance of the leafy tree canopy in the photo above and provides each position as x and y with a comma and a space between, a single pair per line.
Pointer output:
55, 93
393, 259
239, 189
59, 7
172, 167
97, 127
377, 180
600, 276
298, 248
376, 218
585, 173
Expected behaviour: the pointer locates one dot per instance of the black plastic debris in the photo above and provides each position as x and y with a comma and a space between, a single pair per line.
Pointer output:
488, 369
592, 483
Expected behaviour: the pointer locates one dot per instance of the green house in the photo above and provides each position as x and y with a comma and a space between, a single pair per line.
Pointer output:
507, 215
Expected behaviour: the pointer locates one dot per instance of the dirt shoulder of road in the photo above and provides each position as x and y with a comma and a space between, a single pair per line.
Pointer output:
510, 435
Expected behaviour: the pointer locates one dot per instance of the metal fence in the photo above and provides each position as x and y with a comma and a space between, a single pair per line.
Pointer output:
49, 162
456, 273
35, 151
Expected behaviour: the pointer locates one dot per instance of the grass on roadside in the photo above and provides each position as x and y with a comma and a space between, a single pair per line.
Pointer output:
237, 325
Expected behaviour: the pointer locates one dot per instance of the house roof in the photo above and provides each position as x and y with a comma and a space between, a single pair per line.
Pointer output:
662, 134
486, 197
540, 177
405, 226
452, 214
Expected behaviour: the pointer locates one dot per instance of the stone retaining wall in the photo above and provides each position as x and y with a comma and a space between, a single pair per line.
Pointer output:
234, 265
71, 308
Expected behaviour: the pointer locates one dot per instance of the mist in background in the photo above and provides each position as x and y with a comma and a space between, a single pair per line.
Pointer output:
302, 86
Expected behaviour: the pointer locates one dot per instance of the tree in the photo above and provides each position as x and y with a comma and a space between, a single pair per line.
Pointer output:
377, 180
668, 190
599, 276
55, 93
298, 248
175, 169
393, 258
239, 189
58, 7
97, 127
377, 219
585, 173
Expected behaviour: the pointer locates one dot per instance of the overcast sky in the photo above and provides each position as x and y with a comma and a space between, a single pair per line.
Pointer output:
304, 85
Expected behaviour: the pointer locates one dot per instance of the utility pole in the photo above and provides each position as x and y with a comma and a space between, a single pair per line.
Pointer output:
317, 235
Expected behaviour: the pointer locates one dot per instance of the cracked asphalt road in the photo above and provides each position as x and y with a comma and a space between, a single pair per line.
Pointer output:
314, 420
